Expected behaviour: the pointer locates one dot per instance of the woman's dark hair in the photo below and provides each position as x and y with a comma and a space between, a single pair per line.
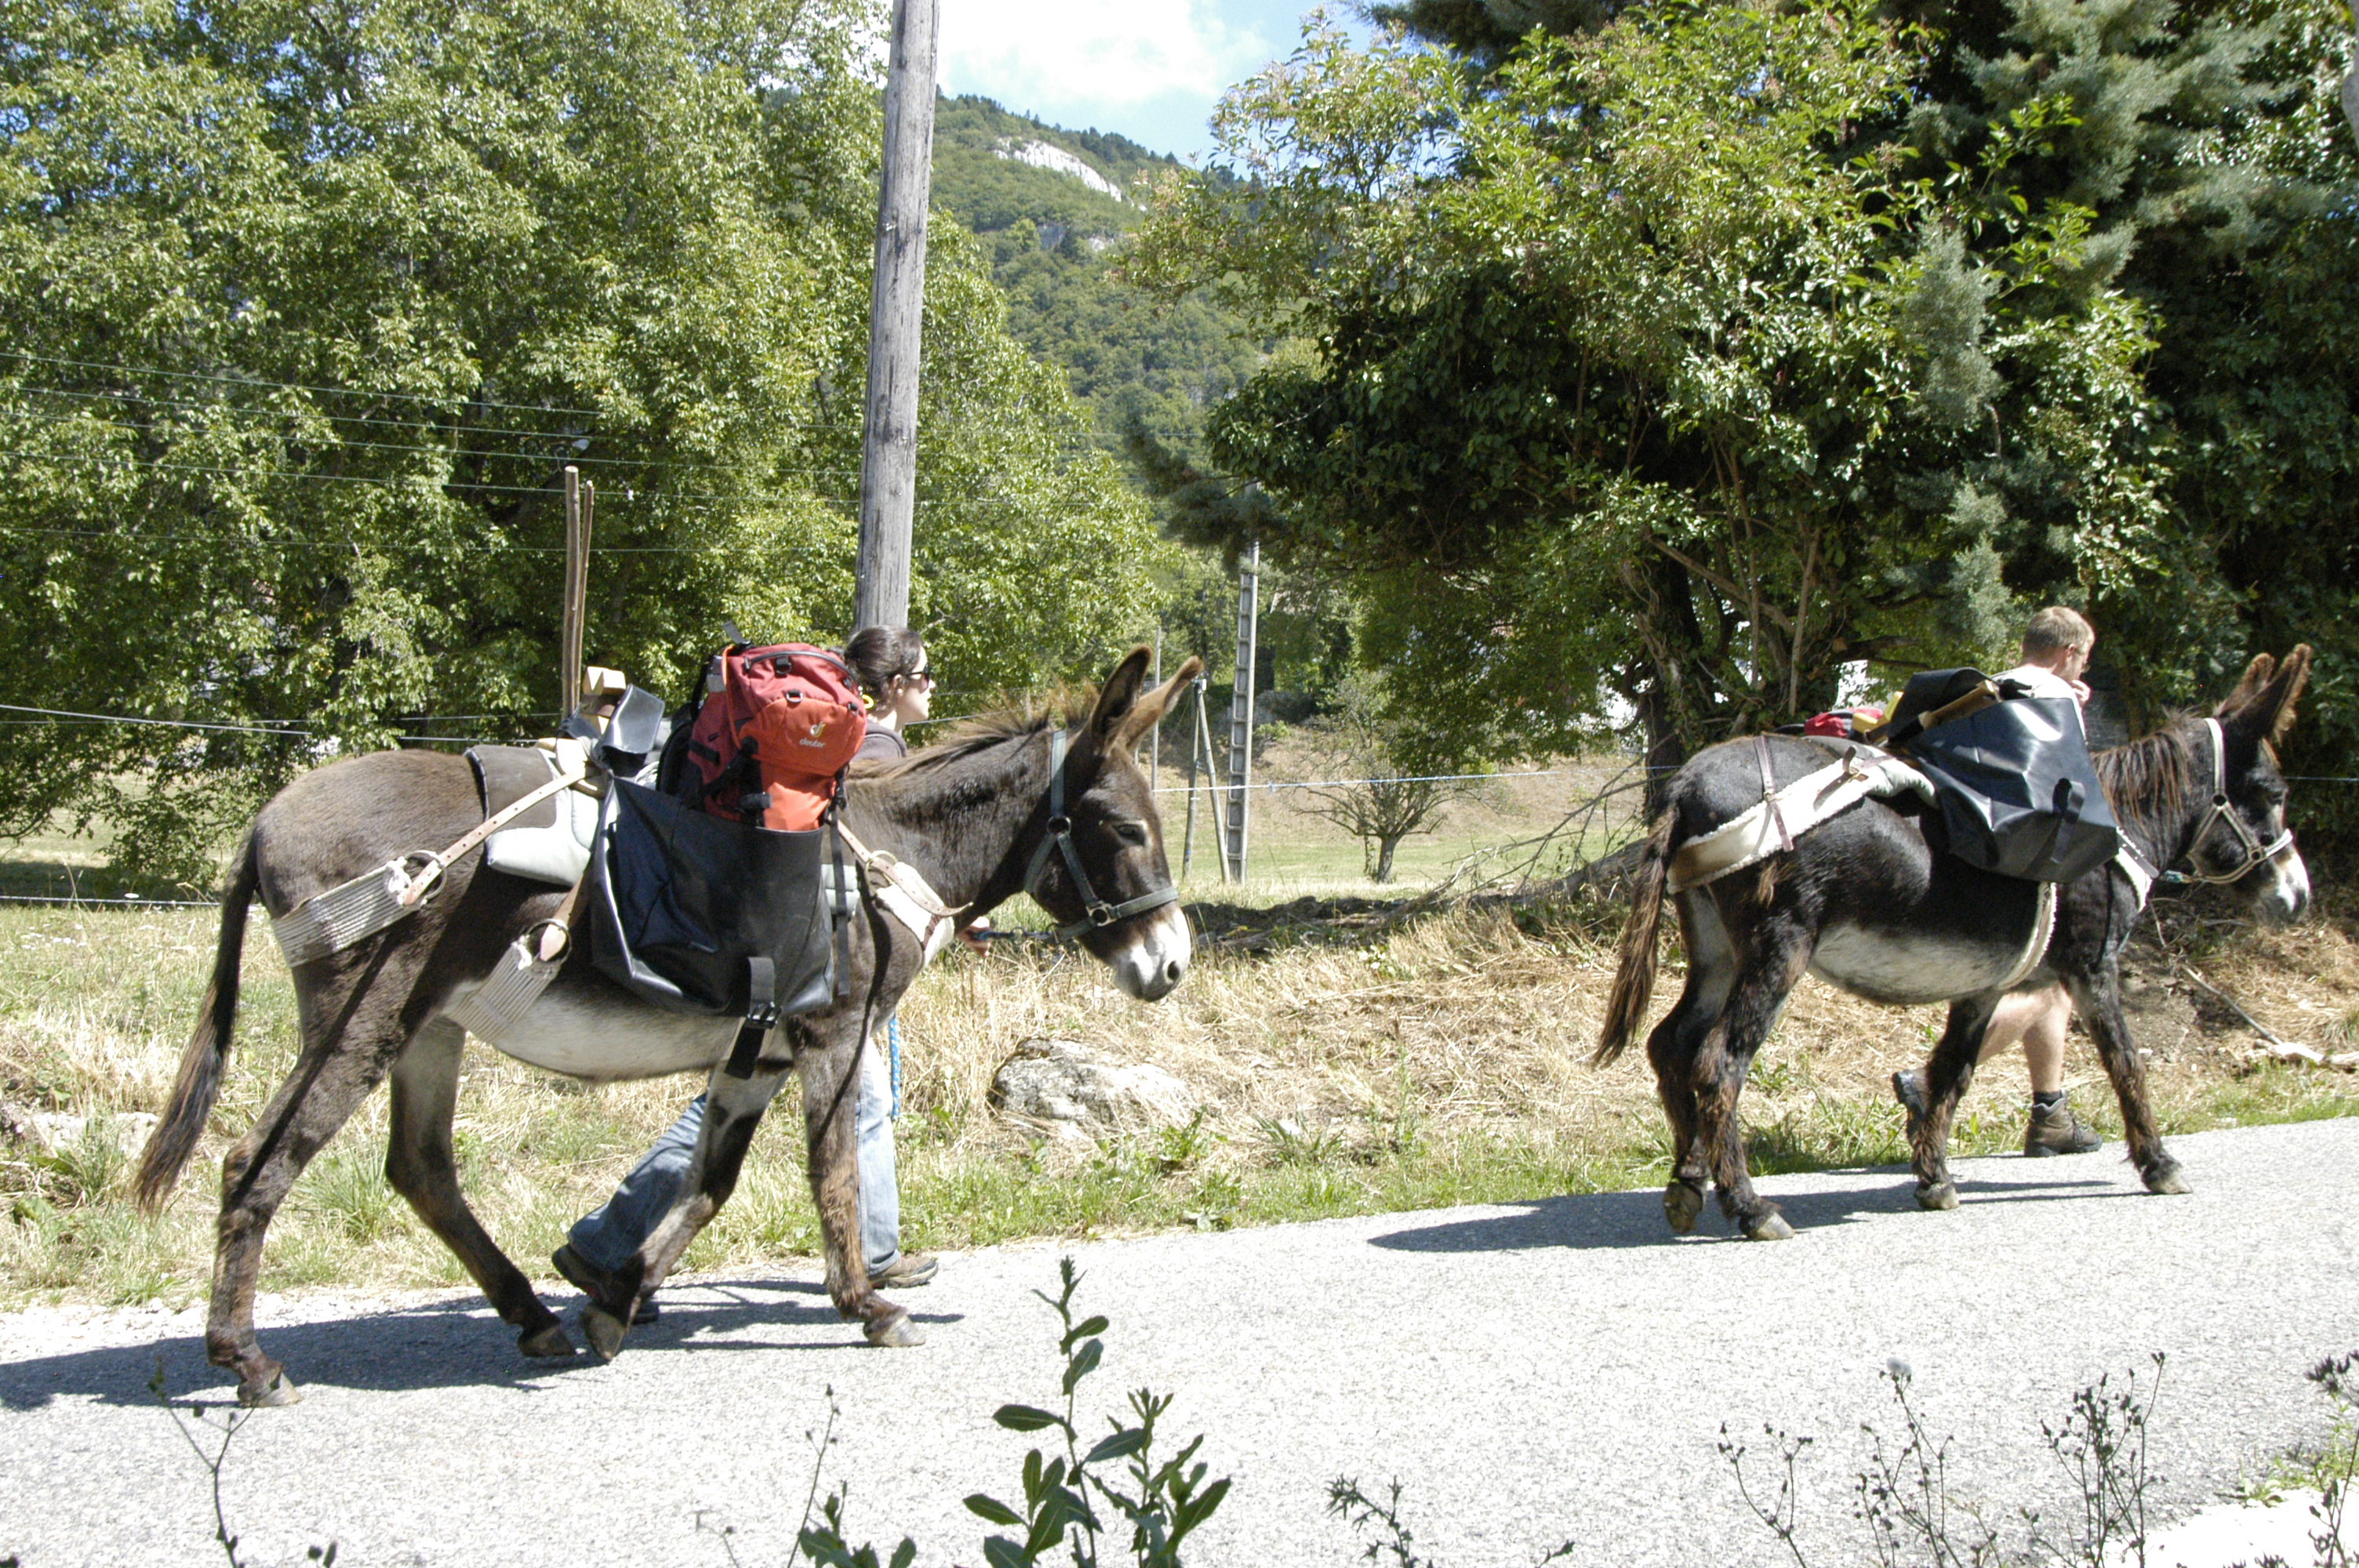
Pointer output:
878, 653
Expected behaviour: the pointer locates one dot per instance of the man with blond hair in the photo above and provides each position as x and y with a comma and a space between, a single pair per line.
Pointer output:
2056, 647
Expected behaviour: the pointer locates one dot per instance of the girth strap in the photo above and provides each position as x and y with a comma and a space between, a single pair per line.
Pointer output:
1059, 836
761, 1017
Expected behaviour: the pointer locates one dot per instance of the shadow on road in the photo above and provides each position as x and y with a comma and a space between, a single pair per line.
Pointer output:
1590, 1220
453, 1344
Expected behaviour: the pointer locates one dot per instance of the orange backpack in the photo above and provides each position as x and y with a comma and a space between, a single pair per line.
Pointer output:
772, 736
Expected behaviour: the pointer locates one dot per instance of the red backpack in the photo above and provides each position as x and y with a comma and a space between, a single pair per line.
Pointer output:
772, 735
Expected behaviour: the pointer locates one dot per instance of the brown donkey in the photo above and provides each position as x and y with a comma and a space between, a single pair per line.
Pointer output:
1865, 903
973, 814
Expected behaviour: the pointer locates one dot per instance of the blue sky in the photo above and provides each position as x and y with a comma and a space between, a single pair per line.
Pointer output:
1152, 69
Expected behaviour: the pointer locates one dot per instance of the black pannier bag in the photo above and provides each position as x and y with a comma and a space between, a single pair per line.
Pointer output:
2018, 794
698, 914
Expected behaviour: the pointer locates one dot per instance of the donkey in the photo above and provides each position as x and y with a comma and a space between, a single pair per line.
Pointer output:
1865, 903
973, 814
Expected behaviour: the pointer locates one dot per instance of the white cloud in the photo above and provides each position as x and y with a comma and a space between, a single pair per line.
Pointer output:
1057, 55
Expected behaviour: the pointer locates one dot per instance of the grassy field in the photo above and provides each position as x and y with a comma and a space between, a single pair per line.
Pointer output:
1351, 1055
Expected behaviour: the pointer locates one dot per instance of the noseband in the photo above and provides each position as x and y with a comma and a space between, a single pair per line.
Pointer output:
2254, 851
1059, 835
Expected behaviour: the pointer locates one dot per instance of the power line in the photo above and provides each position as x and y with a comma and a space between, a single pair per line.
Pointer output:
378, 546
1089, 439
364, 418
306, 732
443, 402
413, 481
168, 724
342, 444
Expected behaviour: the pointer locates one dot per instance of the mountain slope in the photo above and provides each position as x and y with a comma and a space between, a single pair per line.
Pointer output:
1041, 199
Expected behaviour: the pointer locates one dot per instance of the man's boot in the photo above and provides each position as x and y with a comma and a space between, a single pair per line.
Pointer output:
2054, 1130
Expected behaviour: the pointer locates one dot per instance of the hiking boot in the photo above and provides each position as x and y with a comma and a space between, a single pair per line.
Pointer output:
2054, 1130
1908, 1088
909, 1268
598, 1284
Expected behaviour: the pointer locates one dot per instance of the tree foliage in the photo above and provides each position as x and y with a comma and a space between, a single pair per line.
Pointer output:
1678, 361
306, 308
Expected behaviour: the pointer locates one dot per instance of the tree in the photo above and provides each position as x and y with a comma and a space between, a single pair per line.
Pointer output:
1631, 388
1386, 783
307, 308
2207, 143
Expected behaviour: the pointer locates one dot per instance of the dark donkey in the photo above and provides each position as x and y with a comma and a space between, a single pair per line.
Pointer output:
1864, 903
972, 813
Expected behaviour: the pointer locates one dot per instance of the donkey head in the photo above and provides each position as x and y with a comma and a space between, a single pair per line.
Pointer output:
2243, 840
1100, 870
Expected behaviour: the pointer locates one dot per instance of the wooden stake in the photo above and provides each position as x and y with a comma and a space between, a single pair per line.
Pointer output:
570, 604
1241, 712
1155, 736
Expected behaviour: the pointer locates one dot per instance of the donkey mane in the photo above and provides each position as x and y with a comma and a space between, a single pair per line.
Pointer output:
2147, 778
964, 738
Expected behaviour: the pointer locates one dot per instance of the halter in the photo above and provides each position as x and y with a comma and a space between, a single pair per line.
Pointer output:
2254, 850
1059, 835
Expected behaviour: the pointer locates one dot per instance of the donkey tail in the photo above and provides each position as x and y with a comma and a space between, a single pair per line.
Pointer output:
199, 1082
1634, 978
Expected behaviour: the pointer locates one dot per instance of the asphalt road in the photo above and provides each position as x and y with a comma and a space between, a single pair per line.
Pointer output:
1529, 1373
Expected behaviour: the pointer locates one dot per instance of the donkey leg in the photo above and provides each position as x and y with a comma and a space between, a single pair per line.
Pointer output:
1674, 1047
1781, 955
419, 1164
732, 1111
1948, 1072
2099, 998
831, 1079
340, 1064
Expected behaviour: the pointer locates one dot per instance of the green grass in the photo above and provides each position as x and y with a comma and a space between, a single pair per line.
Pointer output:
95, 1005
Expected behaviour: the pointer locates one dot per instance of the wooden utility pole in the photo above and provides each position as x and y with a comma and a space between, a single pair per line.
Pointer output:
572, 614
1240, 709
896, 298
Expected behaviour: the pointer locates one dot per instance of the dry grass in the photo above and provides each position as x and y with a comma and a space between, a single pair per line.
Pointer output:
1365, 1064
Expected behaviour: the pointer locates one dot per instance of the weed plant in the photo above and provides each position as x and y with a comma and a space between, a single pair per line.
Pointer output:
1914, 1515
1070, 1501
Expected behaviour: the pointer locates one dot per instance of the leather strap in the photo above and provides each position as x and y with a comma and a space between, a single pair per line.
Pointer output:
569, 773
1769, 792
1059, 835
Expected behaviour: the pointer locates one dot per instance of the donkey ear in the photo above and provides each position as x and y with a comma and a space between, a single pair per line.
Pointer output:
1148, 710
2274, 704
1118, 696
2256, 675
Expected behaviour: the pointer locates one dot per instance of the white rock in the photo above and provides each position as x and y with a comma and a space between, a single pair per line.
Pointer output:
55, 1131
1057, 161
1067, 1091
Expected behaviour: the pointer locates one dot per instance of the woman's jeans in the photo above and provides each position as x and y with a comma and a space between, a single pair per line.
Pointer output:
608, 1236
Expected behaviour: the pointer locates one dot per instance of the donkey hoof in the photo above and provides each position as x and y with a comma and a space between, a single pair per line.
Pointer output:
550, 1339
894, 1330
604, 1331
280, 1391
1935, 1197
2165, 1178
1682, 1202
1770, 1226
